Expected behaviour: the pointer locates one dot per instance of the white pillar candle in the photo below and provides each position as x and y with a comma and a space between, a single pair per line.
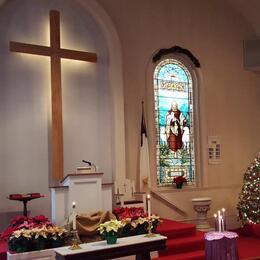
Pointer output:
224, 218
74, 215
216, 225
149, 205
220, 223
115, 188
133, 187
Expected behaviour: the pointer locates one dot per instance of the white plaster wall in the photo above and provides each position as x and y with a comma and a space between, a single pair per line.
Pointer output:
25, 100
214, 33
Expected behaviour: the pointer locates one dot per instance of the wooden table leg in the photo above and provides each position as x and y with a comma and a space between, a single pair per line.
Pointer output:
143, 256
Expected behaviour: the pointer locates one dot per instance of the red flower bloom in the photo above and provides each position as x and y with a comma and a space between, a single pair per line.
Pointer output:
20, 222
132, 213
179, 179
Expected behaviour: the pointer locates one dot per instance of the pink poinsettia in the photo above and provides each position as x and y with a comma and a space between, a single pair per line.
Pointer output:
22, 222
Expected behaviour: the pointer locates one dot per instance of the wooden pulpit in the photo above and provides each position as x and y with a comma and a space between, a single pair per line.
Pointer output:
86, 190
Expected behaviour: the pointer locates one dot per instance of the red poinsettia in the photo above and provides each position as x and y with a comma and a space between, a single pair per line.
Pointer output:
179, 179
20, 222
132, 213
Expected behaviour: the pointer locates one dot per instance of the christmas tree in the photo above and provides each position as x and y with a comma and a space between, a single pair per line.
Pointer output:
249, 198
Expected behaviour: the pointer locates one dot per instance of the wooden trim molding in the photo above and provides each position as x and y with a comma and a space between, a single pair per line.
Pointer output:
58, 187
82, 174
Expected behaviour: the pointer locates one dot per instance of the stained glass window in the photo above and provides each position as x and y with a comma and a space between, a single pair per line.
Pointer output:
173, 96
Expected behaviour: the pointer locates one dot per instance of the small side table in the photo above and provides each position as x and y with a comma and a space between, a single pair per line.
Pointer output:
25, 198
221, 246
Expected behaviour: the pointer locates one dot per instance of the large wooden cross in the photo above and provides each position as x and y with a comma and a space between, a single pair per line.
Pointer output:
56, 53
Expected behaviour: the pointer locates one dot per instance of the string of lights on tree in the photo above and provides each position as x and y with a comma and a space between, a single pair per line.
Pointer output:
249, 198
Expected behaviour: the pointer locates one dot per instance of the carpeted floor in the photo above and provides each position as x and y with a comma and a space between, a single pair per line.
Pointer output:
185, 243
3, 249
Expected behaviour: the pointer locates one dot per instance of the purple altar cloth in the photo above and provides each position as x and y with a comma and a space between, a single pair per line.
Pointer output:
221, 246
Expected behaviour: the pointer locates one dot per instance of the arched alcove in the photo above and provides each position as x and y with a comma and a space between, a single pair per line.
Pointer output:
96, 134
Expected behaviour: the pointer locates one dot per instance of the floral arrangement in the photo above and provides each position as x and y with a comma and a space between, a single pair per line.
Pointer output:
28, 234
135, 220
112, 226
179, 180
22, 222
132, 213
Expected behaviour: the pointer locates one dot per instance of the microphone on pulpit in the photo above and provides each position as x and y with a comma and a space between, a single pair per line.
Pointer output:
89, 163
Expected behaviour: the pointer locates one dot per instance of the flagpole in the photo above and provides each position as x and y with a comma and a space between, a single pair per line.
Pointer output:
144, 155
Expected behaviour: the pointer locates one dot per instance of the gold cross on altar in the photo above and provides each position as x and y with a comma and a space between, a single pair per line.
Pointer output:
55, 52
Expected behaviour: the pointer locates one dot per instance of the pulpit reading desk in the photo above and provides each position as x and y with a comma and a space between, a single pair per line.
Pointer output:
140, 246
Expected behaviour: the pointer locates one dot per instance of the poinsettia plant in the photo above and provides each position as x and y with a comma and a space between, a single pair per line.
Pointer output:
33, 233
135, 220
132, 213
110, 226
179, 179
21, 222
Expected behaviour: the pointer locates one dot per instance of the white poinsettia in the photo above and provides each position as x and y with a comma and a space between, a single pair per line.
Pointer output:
112, 225
22, 232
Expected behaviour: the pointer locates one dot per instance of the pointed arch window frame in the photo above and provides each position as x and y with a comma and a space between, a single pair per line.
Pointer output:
192, 67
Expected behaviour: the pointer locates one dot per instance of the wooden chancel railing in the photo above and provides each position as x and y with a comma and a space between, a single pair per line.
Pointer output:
167, 202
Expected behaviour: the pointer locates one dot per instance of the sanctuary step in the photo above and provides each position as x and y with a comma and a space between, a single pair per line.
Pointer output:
174, 229
184, 241
184, 244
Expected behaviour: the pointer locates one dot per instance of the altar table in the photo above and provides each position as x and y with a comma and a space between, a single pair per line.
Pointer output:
140, 246
221, 246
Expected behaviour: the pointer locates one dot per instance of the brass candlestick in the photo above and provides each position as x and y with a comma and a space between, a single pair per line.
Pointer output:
75, 241
150, 233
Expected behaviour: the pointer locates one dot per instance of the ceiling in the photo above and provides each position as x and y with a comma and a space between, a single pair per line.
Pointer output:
250, 10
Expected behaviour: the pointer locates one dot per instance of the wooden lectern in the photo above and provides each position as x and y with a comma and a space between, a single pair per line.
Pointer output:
86, 190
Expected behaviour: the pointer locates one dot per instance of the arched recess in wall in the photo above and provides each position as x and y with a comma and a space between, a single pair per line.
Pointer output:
191, 63
116, 82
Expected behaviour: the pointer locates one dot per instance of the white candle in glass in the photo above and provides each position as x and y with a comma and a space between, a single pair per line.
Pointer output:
149, 205
74, 215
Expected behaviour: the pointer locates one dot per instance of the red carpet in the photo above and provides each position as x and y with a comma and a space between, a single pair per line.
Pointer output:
185, 243
3, 249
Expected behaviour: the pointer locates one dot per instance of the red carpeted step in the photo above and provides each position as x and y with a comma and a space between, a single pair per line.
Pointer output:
194, 255
172, 229
184, 244
249, 247
3, 249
